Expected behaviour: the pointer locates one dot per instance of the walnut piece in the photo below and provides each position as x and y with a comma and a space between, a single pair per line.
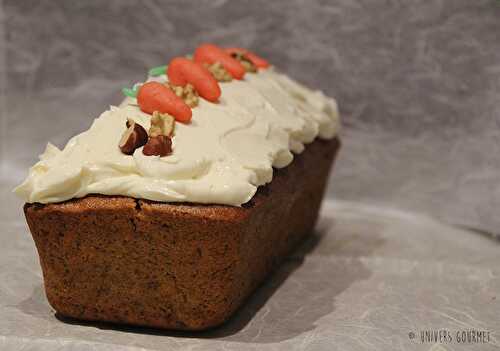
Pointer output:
187, 93
219, 72
161, 124
160, 145
249, 66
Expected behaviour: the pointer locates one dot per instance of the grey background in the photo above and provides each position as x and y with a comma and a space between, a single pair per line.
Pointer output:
418, 85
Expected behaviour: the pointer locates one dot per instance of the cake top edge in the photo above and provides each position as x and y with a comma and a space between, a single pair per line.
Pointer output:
206, 128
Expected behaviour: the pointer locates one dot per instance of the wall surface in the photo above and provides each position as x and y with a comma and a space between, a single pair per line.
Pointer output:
418, 83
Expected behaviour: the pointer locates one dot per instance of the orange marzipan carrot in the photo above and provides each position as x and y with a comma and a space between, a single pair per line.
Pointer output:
258, 61
182, 71
154, 96
209, 53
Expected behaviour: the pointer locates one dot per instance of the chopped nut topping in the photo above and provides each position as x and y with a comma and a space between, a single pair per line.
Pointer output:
187, 93
249, 66
160, 145
161, 124
134, 137
219, 72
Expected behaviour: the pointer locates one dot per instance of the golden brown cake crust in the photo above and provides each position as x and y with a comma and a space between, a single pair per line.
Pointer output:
174, 265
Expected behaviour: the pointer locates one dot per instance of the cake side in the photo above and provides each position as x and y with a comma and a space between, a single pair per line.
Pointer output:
175, 266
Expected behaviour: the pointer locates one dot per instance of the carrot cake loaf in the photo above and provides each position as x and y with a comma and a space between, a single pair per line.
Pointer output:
175, 205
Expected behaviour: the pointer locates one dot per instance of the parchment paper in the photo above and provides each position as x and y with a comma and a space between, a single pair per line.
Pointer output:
364, 281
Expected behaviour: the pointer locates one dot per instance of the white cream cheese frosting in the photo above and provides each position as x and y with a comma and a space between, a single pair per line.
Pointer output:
221, 157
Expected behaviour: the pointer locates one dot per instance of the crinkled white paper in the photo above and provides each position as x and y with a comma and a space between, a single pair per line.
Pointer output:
364, 281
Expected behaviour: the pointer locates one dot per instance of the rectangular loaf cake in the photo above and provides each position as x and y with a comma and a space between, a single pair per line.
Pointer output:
174, 206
